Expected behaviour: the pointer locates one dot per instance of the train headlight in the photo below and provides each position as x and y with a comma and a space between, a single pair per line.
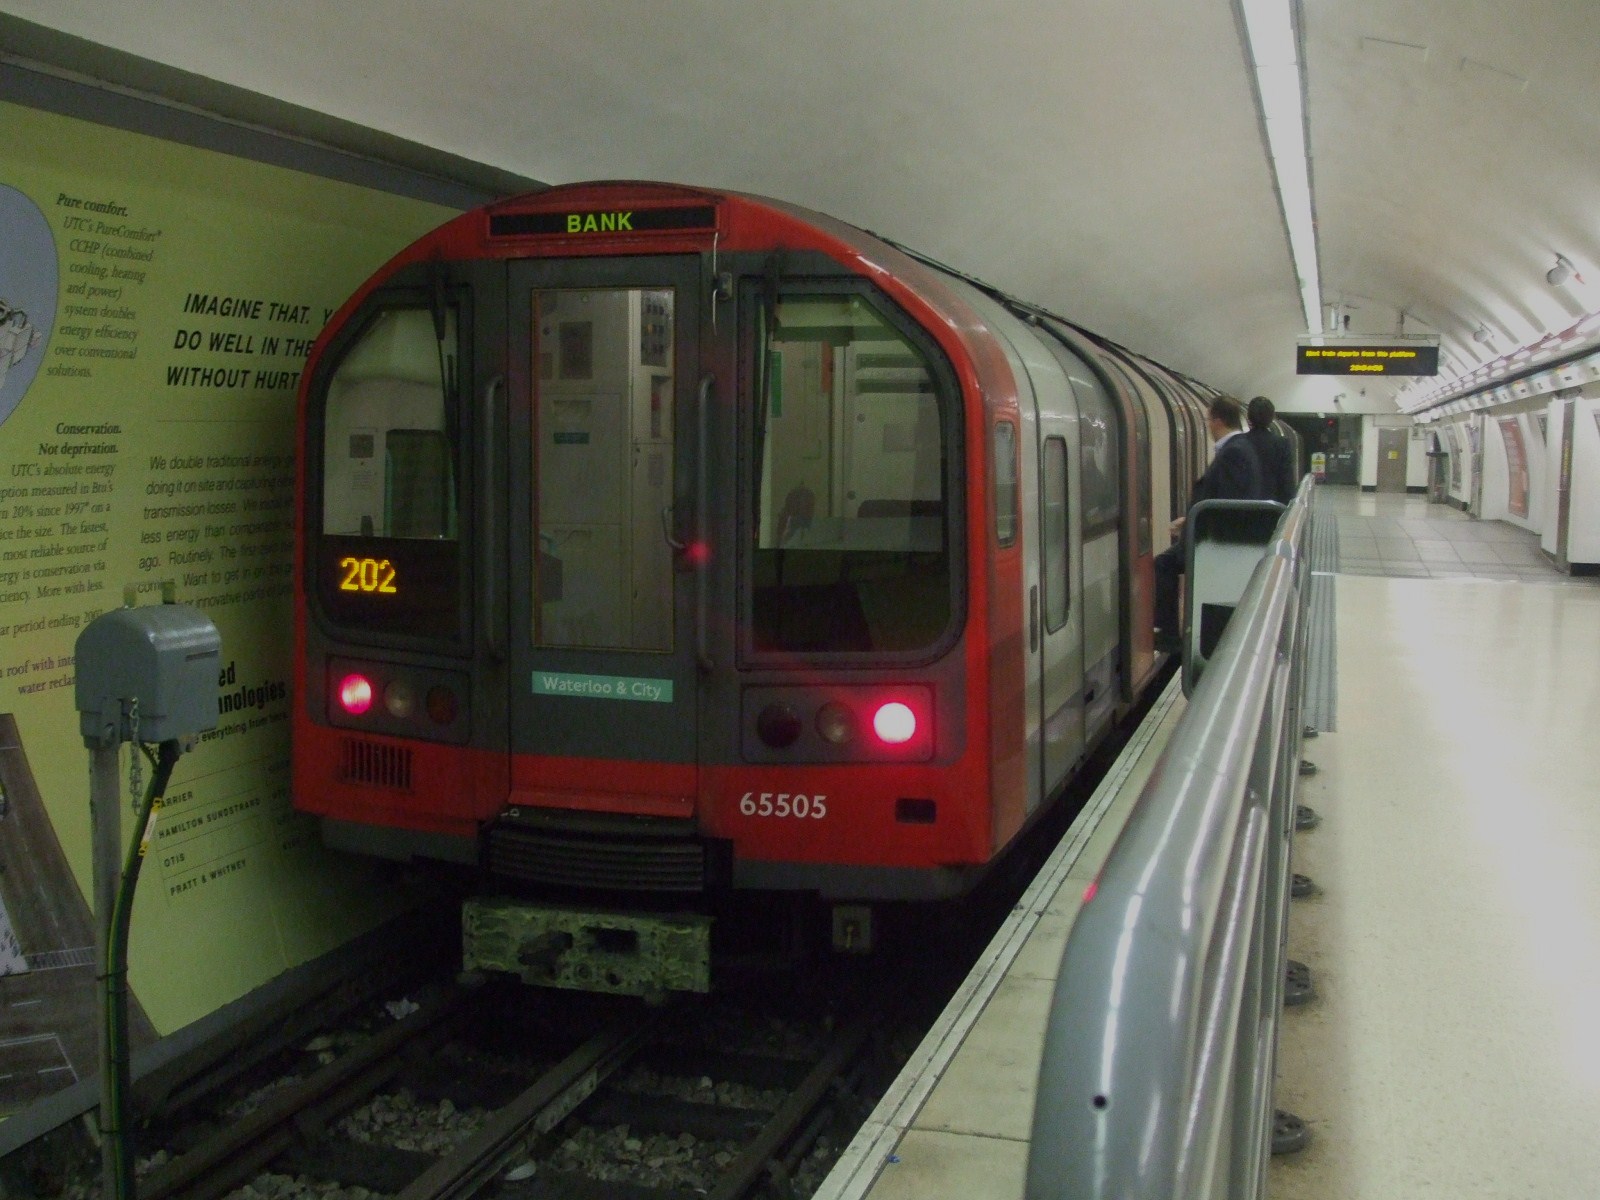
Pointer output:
779, 726
400, 699
836, 724
894, 723
355, 694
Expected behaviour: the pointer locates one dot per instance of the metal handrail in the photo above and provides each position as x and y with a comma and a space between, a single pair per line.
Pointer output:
1156, 1080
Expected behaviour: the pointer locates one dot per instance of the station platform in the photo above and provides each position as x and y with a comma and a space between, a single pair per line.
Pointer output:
957, 1122
1452, 1048
1454, 940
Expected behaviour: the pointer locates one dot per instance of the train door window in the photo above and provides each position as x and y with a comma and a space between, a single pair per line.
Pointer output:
851, 459
388, 556
1100, 478
1182, 455
1005, 483
1141, 466
603, 460
1137, 396
1054, 559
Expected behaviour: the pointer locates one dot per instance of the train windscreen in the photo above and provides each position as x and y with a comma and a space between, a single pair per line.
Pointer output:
389, 554
852, 521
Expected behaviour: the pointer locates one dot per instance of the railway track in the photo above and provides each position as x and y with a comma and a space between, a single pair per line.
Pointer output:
531, 1094
479, 1091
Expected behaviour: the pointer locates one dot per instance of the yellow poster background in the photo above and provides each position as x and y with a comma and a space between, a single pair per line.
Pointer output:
153, 442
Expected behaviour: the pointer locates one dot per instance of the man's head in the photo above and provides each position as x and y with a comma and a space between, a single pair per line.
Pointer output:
1261, 413
1224, 416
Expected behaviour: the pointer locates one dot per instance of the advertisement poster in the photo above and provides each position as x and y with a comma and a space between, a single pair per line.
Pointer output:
157, 303
1516, 466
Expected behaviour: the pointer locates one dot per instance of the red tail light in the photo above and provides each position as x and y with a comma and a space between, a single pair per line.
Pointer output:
895, 723
355, 694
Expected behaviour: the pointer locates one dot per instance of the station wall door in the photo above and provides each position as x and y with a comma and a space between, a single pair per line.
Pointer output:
1393, 445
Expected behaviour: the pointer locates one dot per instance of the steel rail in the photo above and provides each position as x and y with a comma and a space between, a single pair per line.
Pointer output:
539, 1109
238, 1152
760, 1156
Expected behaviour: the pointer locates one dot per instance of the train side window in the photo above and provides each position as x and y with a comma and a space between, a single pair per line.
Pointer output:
1054, 560
1005, 483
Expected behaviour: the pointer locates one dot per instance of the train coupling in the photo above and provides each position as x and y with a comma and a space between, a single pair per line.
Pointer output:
588, 950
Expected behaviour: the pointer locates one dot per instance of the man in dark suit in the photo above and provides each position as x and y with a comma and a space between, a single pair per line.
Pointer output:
1234, 474
1272, 452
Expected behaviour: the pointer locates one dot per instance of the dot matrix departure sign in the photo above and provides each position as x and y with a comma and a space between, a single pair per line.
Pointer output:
1354, 358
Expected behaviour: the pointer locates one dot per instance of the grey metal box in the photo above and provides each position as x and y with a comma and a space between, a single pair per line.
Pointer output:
167, 656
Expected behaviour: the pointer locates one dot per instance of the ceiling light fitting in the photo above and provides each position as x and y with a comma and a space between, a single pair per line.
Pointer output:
1561, 272
1280, 89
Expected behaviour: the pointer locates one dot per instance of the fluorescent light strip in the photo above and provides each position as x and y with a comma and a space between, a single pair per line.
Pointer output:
1270, 30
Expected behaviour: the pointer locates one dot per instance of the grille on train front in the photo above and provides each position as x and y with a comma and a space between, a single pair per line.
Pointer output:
584, 853
374, 764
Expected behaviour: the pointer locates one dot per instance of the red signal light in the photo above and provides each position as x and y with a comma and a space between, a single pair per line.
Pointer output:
894, 723
355, 694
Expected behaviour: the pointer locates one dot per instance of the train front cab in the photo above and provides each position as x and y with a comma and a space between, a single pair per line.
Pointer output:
660, 546
578, 611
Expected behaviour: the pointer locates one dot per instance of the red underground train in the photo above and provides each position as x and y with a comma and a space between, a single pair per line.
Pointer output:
659, 547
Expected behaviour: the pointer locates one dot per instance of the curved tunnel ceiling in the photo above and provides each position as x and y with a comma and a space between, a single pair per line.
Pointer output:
1107, 162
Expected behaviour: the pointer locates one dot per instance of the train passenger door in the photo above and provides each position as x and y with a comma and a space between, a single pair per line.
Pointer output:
1060, 587
603, 379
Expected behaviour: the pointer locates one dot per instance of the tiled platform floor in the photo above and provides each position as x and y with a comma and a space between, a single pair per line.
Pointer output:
1452, 1049
1408, 537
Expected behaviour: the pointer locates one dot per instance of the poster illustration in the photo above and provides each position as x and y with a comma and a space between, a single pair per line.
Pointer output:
157, 304
27, 294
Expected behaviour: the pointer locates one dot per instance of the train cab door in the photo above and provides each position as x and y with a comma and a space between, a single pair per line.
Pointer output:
602, 386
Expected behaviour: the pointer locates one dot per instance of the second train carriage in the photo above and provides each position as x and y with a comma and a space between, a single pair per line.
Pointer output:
659, 545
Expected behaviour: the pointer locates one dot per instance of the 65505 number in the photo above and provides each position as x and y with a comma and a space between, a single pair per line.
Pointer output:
783, 804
